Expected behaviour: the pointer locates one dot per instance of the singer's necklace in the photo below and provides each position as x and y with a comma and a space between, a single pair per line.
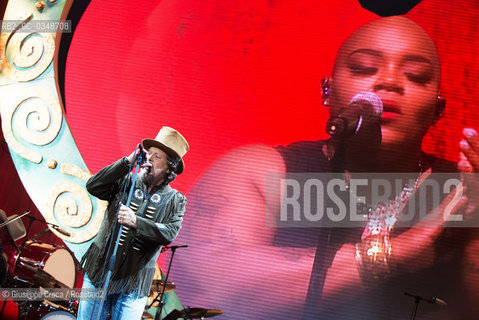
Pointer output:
390, 211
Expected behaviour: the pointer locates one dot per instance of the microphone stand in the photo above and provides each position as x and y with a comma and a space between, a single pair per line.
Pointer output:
31, 219
22, 246
111, 263
159, 296
54, 226
418, 299
16, 218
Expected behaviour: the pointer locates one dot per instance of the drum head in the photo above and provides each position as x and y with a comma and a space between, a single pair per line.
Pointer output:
61, 265
58, 315
39, 263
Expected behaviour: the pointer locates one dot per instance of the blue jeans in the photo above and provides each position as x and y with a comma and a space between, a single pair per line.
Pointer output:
120, 306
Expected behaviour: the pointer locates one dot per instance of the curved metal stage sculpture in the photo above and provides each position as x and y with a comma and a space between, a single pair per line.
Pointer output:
34, 125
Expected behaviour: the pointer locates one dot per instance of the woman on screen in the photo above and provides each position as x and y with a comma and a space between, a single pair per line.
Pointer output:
253, 271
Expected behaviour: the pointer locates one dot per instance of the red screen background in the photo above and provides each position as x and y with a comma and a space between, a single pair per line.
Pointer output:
232, 73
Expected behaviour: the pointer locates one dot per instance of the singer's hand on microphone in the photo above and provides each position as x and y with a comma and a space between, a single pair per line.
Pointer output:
133, 157
127, 217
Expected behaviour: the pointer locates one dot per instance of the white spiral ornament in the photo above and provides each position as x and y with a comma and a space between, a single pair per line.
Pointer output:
68, 204
26, 55
34, 120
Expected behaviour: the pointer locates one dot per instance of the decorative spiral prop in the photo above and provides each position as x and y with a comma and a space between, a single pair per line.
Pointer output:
36, 120
68, 204
26, 55
34, 127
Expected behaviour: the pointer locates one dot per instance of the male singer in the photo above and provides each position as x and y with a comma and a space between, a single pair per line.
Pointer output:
152, 219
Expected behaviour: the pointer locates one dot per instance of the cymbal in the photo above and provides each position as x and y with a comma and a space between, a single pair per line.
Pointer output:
158, 284
199, 313
156, 288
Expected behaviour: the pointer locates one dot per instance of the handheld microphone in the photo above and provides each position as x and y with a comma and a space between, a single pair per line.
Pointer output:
142, 156
364, 108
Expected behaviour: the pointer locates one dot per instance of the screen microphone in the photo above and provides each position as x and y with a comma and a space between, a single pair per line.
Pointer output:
438, 301
363, 109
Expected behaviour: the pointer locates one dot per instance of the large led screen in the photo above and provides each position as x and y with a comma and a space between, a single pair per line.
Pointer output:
243, 81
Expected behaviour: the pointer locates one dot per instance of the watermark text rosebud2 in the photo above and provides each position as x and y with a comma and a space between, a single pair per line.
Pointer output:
40, 294
335, 200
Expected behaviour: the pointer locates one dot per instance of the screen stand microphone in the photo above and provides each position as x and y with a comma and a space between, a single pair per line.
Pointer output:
359, 121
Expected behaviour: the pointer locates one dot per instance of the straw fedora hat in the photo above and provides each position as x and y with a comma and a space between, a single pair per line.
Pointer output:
171, 142
16, 228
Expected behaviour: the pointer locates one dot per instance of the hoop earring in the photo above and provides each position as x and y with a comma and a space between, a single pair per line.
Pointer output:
440, 106
325, 90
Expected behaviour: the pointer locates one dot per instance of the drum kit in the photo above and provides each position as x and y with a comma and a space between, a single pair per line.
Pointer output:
35, 265
188, 313
42, 266
156, 300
